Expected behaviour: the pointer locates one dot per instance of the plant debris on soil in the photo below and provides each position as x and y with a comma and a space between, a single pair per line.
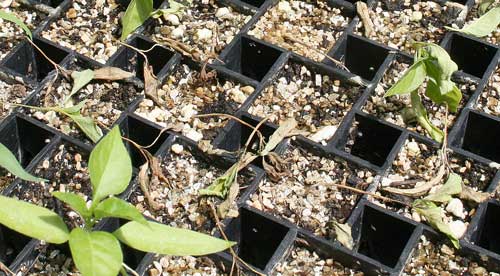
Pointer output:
204, 26
303, 261
399, 23
6, 178
489, 100
188, 265
11, 93
185, 95
178, 202
317, 102
392, 108
430, 258
315, 23
10, 33
90, 27
305, 194
67, 170
473, 14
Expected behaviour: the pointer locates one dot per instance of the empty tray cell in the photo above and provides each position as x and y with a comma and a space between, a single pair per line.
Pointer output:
205, 26
129, 60
304, 260
440, 258
304, 191
174, 198
370, 140
12, 93
187, 265
482, 145
258, 237
489, 100
29, 62
67, 169
91, 28
360, 56
243, 54
400, 23
472, 57
255, 3
474, 14
318, 101
13, 34
309, 24
486, 235
421, 162
185, 94
393, 109
105, 102
11, 244
143, 134
383, 237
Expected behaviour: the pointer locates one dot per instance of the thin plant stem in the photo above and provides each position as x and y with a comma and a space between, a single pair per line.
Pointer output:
129, 269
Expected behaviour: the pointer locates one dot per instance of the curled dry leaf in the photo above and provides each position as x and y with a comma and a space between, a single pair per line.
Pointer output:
276, 168
421, 187
151, 85
343, 234
111, 73
144, 182
281, 133
207, 147
469, 194
228, 207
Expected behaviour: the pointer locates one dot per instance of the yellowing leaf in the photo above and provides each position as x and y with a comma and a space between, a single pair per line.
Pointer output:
433, 215
282, 132
343, 234
423, 120
221, 185
453, 186
80, 79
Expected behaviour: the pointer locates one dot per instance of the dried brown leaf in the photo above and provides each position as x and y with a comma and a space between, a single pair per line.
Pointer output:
111, 73
470, 194
151, 85
281, 133
144, 183
228, 207
421, 187
207, 147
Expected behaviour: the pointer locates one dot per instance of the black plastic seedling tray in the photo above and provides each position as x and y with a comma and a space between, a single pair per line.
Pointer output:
385, 241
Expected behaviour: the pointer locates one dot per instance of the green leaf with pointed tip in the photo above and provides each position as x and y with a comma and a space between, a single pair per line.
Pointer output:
33, 221
410, 81
162, 239
70, 109
438, 60
117, 208
74, 201
87, 125
484, 25
12, 18
220, 186
452, 98
80, 79
110, 166
432, 214
95, 253
453, 186
423, 120
9, 162
137, 12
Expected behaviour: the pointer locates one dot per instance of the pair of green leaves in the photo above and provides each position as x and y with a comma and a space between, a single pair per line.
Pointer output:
12, 18
432, 63
484, 25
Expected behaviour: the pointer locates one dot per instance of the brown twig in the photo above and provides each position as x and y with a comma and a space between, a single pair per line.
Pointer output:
6, 269
383, 198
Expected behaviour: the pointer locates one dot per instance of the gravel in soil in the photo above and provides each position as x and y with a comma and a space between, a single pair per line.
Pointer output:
10, 33
474, 14
391, 108
489, 100
188, 265
398, 23
185, 95
178, 202
303, 261
436, 258
304, 194
204, 26
420, 162
90, 27
11, 94
105, 102
51, 262
317, 102
316, 24
67, 171
6, 178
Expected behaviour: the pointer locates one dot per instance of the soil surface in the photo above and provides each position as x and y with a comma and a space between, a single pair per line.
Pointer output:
314, 23
14, 93
172, 265
489, 100
184, 95
52, 262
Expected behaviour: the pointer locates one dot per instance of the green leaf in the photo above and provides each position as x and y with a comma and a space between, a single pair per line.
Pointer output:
437, 59
453, 186
410, 81
221, 185
174, 8
161, 239
12, 18
87, 125
109, 166
485, 4
452, 98
33, 221
423, 120
95, 253
70, 109
80, 80
283, 131
76, 203
484, 25
118, 208
432, 214
137, 12
9, 162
